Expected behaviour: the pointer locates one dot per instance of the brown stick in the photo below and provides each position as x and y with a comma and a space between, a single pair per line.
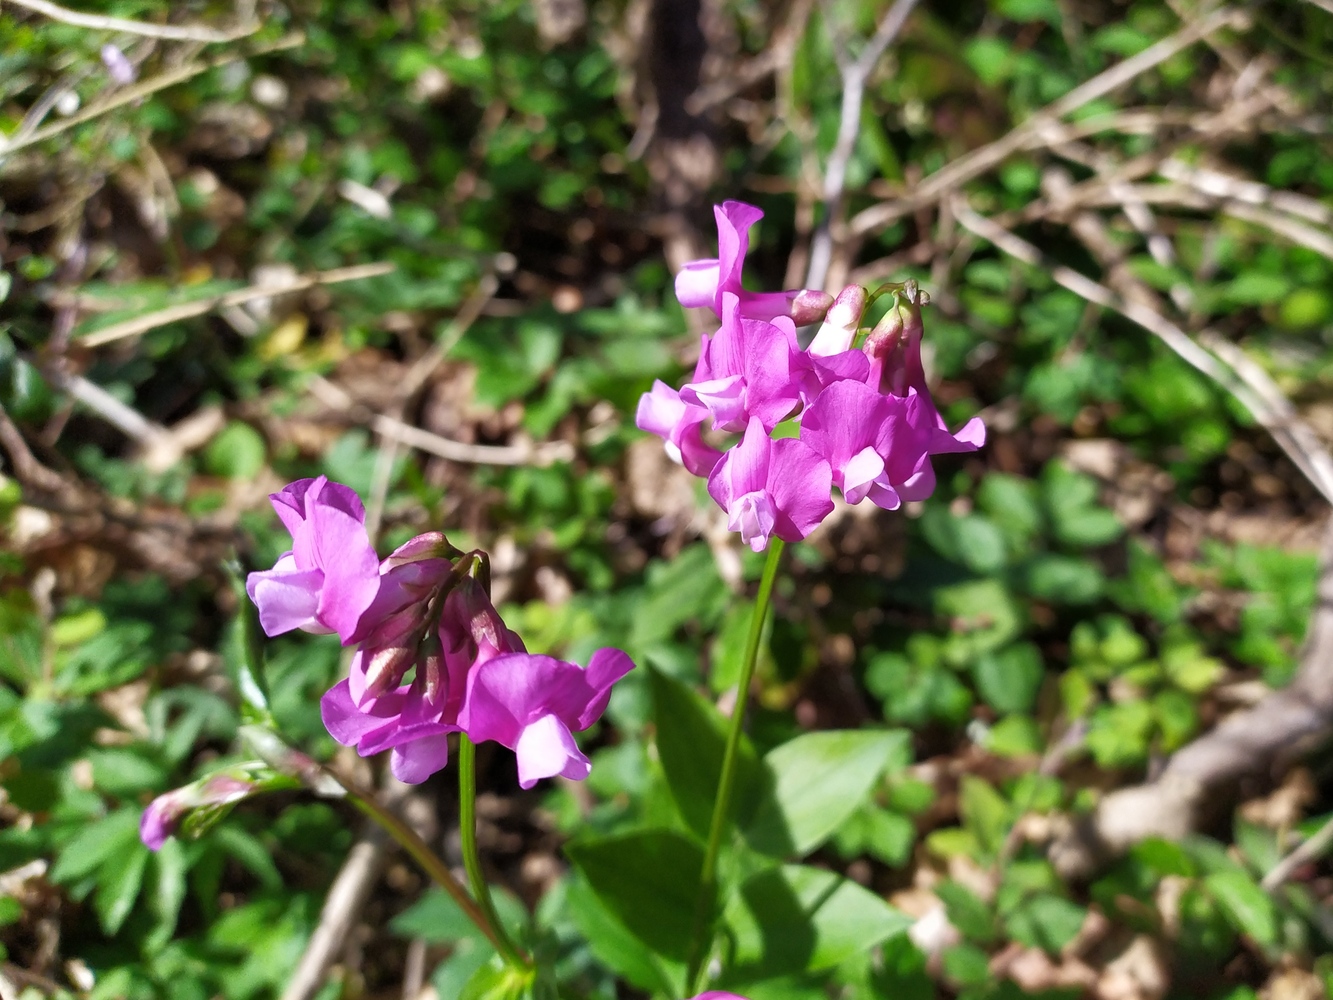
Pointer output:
1257, 741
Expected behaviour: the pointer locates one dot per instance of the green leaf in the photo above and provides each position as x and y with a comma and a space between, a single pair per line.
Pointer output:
1045, 921
118, 886
967, 912
95, 844
238, 452
984, 812
796, 918
691, 736
1064, 579
168, 892
649, 880
615, 946
1249, 909
1008, 679
816, 782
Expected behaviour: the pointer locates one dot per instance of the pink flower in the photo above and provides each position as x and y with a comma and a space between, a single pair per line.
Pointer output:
876, 444
702, 283
534, 704
372, 711
771, 487
894, 348
746, 370
718, 995
662, 412
164, 814
331, 575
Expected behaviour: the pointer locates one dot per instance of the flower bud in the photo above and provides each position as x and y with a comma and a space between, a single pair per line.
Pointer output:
430, 669
838, 332
385, 666
430, 545
216, 792
894, 345
809, 306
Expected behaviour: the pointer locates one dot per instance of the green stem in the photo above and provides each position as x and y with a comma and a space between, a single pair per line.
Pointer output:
467, 825
703, 915
421, 853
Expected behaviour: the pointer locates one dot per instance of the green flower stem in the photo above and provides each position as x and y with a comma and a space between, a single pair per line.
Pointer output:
430, 863
467, 824
722, 804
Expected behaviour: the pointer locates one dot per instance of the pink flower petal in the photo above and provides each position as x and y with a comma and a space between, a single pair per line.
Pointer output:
546, 748
696, 284
286, 598
412, 763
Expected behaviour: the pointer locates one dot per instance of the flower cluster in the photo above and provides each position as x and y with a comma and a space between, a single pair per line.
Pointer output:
424, 610
867, 423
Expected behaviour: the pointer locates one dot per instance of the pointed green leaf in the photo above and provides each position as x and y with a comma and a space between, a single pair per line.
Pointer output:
816, 782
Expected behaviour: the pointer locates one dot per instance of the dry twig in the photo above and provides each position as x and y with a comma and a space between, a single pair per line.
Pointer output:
145, 88
455, 451
169, 32
957, 173
1291, 433
188, 310
854, 72
1305, 852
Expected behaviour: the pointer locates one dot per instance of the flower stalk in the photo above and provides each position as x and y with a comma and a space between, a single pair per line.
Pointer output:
467, 824
703, 916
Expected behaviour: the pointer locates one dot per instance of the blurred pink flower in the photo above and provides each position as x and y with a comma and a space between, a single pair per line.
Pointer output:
702, 283
534, 704
331, 575
771, 487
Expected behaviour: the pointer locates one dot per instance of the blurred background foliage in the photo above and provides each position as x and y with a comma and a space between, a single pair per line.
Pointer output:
1129, 559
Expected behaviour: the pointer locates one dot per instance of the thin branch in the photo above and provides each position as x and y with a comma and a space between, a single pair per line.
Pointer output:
138, 91
27, 469
455, 451
188, 310
854, 75
170, 32
1305, 852
1291, 434
342, 907
957, 173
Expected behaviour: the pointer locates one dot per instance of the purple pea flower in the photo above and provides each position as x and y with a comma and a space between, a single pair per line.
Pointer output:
164, 814
876, 444
534, 704
745, 371
702, 283
894, 348
373, 712
331, 576
662, 412
771, 487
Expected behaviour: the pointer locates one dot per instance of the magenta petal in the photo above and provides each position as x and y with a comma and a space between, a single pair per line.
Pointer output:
605, 668
546, 748
696, 284
351, 568
767, 305
158, 822
501, 694
734, 219
748, 461
800, 483
285, 598
347, 723
412, 763
660, 410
